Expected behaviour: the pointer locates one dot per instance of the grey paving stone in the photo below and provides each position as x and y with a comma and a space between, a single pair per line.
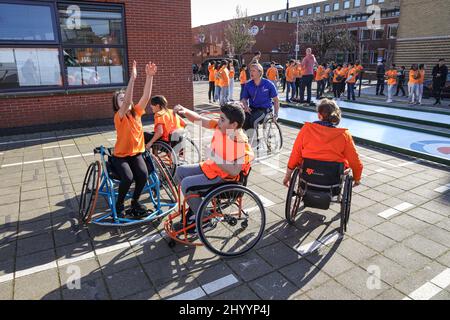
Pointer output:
436, 234
242, 292
127, 282
35, 194
179, 286
7, 249
151, 251
249, 267
437, 207
425, 215
408, 258
374, 240
391, 294
331, 290
6, 267
393, 231
34, 244
329, 261
273, 286
198, 258
409, 222
42, 285
443, 295
6, 290
375, 195
144, 295
34, 228
304, 274
391, 272
279, 255
444, 259
35, 259
353, 227
92, 289
355, 251
165, 269
213, 274
118, 260
362, 283
426, 247
89, 270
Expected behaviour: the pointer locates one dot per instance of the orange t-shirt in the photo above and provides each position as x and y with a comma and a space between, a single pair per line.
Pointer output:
130, 134
271, 73
319, 73
243, 77
345, 72
315, 141
229, 150
413, 74
338, 73
232, 73
169, 122
421, 77
353, 73
326, 73
290, 77
211, 73
298, 71
392, 77
224, 77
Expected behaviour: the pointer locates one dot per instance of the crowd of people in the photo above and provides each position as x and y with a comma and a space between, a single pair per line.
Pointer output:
231, 153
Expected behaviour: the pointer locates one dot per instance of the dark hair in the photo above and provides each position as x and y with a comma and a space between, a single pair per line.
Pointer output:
243, 66
257, 52
421, 66
224, 63
329, 111
441, 59
292, 60
159, 100
394, 65
234, 113
403, 67
273, 62
115, 104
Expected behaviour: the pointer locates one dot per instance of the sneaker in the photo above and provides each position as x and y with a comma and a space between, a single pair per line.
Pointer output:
389, 101
137, 209
120, 210
190, 220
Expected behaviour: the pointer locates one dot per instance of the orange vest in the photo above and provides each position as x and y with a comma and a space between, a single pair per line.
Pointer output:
336, 74
290, 74
320, 73
271, 73
232, 73
392, 77
353, 73
412, 76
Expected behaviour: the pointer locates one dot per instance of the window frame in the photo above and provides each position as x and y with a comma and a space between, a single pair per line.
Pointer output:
356, 6
60, 46
349, 5
327, 5
334, 6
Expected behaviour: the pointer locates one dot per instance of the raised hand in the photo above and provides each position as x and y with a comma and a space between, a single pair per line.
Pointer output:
134, 70
179, 109
150, 69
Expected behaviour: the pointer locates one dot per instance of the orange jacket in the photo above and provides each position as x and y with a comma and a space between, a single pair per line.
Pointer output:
211, 72
320, 73
318, 142
243, 77
391, 77
290, 77
272, 73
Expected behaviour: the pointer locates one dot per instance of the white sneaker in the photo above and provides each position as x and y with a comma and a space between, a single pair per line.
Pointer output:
389, 101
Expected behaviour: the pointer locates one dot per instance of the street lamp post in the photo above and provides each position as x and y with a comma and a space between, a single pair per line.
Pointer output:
297, 48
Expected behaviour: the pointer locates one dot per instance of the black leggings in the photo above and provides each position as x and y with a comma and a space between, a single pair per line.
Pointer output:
211, 90
129, 169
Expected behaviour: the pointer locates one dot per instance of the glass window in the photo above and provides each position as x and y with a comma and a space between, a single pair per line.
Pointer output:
280, 16
294, 14
302, 12
273, 17
317, 9
326, 8
267, 18
393, 31
380, 1
365, 34
24, 22
309, 11
378, 34
336, 6
357, 3
369, 2
347, 4
29, 67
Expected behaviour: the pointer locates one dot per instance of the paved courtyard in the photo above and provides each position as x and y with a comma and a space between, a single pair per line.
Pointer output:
397, 245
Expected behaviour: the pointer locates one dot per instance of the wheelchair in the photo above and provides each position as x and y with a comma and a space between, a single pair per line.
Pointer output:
272, 137
180, 150
317, 184
102, 180
230, 221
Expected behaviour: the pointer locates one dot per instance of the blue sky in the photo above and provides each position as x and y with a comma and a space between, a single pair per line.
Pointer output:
210, 11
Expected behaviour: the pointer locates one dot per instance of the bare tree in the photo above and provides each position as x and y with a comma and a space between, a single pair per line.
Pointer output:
323, 37
238, 35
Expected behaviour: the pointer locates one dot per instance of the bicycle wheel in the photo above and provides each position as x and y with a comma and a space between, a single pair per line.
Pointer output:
231, 220
89, 192
272, 136
187, 152
166, 154
165, 179
294, 198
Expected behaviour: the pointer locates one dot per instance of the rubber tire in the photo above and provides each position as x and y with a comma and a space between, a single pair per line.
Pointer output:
292, 186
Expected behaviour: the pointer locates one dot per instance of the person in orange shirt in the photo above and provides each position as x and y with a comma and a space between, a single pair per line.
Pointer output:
231, 75
391, 76
298, 73
320, 80
224, 82
338, 80
290, 80
229, 154
351, 80
242, 79
272, 74
127, 160
412, 84
420, 82
211, 80
168, 125
323, 141
359, 68
327, 76
216, 82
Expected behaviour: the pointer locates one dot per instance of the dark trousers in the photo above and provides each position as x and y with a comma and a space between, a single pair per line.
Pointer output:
320, 88
337, 89
242, 91
298, 84
380, 86
129, 169
351, 91
254, 117
400, 87
211, 91
306, 83
437, 91
283, 83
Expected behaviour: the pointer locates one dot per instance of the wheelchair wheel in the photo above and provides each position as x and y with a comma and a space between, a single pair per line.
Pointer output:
89, 191
165, 179
187, 152
294, 198
166, 154
346, 203
231, 220
272, 136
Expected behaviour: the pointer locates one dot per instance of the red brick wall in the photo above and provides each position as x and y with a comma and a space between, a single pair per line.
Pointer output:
156, 30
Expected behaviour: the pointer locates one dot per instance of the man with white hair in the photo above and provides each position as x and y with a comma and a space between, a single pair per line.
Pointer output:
257, 98
308, 63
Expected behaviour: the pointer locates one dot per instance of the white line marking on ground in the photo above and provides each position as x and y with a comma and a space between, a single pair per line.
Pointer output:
380, 170
443, 188
376, 160
408, 163
266, 202
272, 166
316, 244
59, 146
207, 288
46, 160
432, 287
386, 214
49, 138
88, 255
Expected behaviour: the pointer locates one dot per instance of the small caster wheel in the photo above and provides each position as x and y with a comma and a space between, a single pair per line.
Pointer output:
172, 243
244, 224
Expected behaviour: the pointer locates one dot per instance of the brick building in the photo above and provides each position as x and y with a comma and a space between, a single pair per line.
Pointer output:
60, 61
424, 33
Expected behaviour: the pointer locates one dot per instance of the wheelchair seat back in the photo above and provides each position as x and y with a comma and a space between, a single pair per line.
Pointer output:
320, 180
